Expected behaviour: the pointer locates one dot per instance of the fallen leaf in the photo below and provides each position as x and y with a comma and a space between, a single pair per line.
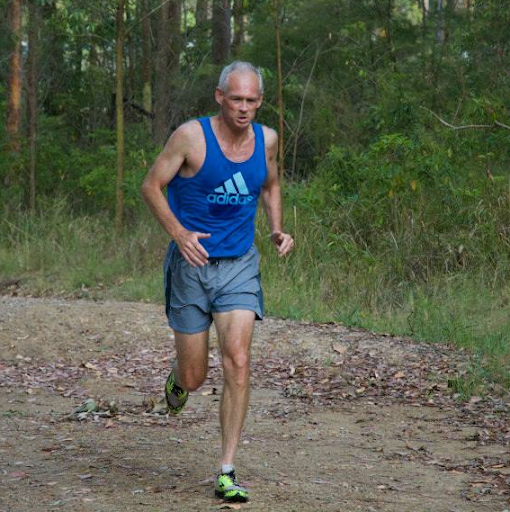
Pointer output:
340, 348
409, 446
17, 474
207, 481
399, 375
319, 481
160, 407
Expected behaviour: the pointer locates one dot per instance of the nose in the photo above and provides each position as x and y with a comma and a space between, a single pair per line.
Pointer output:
244, 106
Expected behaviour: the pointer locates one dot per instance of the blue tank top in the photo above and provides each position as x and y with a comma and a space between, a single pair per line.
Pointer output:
221, 198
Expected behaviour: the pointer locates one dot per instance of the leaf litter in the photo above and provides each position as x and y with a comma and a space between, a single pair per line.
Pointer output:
354, 367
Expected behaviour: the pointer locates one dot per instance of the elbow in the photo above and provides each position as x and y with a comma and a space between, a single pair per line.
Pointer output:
144, 190
147, 189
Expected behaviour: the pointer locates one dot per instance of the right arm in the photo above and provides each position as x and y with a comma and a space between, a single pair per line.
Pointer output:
166, 166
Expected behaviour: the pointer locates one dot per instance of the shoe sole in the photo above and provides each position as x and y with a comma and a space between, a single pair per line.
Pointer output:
233, 499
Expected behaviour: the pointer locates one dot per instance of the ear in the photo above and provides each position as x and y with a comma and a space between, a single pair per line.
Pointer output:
219, 95
259, 102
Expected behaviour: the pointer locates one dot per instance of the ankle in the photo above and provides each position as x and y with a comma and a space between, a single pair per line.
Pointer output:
227, 468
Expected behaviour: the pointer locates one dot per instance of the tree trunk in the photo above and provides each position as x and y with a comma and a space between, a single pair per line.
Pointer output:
440, 33
13, 121
53, 34
34, 21
146, 61
201, 12
389, 32
131, 56
161, 76
238, 25
175, 14
385, 14
221, 31
280, 88
424, 7
119, 209
167, 66
201, 30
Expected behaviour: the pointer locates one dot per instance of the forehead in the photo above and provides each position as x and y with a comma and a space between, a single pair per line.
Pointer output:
243, 83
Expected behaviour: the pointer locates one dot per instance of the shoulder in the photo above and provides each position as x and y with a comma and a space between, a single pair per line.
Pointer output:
270, 136
184, 136
187, 131
271, 142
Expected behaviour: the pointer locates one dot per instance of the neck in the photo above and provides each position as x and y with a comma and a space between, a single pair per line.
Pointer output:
229, 133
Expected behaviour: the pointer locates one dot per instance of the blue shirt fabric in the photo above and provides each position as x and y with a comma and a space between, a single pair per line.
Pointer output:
221, 198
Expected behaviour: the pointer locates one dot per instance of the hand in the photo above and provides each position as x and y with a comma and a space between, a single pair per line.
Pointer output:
190, 247
283, 241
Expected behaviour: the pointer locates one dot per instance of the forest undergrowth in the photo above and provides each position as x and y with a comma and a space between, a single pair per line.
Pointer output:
407, 267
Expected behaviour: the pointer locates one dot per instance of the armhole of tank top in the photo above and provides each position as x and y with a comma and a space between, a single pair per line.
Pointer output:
201, 121
263, 143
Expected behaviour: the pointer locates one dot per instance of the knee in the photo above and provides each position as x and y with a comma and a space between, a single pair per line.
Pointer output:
237, 367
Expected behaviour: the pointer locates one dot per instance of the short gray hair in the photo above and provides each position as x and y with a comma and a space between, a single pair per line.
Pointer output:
243, 67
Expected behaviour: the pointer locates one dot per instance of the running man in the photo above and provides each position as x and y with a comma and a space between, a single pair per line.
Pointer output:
215, 168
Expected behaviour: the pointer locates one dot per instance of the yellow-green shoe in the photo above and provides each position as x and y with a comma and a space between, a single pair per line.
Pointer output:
176, 397
228, 488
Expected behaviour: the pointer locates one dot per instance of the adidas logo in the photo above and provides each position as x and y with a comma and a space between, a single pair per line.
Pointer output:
233, 191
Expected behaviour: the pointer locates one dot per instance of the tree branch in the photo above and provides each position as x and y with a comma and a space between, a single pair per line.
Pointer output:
495, 124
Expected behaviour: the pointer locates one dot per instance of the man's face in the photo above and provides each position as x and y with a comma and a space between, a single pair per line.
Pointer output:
241, 99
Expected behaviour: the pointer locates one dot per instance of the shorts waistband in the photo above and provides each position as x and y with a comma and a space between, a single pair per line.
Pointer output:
217, 261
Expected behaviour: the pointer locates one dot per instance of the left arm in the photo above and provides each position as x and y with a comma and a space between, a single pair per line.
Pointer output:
272, 198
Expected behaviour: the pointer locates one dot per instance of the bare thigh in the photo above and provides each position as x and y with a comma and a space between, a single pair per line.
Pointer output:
235, 331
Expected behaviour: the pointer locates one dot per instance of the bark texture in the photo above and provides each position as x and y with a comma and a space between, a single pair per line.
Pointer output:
13, 121
221, 31
119, 208
281, 164
146, 60
32, 79
238, 13
161, 77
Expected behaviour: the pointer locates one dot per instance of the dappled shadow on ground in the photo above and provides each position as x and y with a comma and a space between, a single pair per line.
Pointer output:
340, 419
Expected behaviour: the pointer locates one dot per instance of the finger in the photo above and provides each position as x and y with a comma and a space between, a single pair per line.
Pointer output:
201, 251
189, 260
199, 258
203, 235
286, 246
194, 258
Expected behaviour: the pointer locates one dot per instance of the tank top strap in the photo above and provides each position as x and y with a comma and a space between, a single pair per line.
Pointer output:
260, 147
212, 146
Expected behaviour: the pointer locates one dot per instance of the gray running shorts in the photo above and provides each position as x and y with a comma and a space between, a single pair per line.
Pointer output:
223, 284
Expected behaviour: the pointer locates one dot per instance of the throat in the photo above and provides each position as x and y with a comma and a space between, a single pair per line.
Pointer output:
236, 145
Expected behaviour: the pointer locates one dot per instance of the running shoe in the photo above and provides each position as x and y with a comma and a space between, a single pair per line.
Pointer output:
176, 397
229, 489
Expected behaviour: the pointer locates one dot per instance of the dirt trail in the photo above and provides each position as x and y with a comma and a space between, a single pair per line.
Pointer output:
340, 420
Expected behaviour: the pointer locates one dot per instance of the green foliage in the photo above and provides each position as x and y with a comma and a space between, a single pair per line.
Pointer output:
402, 224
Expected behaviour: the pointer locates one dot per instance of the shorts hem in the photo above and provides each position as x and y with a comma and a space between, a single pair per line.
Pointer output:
226, 309
190, 330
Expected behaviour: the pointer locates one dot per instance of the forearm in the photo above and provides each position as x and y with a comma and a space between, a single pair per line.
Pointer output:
158, 204
272, 203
